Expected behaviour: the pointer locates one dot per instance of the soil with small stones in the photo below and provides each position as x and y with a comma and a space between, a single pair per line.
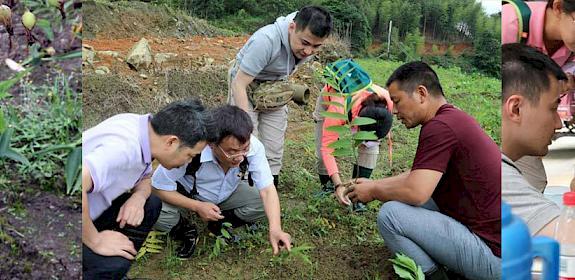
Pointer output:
41, 237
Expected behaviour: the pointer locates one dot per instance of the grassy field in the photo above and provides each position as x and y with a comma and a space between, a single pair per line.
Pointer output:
331, 241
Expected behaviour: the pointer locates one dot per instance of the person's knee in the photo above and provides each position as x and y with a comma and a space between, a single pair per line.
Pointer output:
167, 220
152, 210
95, 266
250, 213
389, 215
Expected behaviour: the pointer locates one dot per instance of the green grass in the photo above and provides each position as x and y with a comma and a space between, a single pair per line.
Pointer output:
42, 117
345, 245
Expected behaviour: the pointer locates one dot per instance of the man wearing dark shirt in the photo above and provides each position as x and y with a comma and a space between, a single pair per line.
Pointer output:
445, 212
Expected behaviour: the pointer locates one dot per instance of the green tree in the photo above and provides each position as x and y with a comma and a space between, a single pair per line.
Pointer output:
347, 15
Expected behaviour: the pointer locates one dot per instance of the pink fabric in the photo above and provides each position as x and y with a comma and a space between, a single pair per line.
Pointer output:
510, 26
329, 136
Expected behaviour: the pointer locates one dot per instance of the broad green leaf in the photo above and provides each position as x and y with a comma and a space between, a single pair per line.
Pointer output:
337, 128
365, 135
72, 168
353, 101
362, 121
68, 147
338, 144
420, 275
2, 122
406, 268
153, 246
7, 84
403, 273
78, 184
227, 224
328, 103
225, 233
333, 115
5, 141
46, 27
16, 156
408, 261
342, 152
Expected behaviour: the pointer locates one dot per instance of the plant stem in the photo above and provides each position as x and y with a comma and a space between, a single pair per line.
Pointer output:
62, 12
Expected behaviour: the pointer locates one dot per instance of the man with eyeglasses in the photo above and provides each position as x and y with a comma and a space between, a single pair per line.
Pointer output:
213, 185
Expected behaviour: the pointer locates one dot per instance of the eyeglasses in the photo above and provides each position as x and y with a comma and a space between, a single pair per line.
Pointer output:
233, 157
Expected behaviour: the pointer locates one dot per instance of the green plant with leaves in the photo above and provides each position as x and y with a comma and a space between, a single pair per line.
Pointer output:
6, 132
297, 252
46, 125
346, 79
221, 240
406, 268
8, 152
73, 165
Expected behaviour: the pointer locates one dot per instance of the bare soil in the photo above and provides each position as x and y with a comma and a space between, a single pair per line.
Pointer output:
40, 237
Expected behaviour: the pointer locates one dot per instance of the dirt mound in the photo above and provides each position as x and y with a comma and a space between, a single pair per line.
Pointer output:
40, 238
334, 48
197, 67
107, 95
134, 18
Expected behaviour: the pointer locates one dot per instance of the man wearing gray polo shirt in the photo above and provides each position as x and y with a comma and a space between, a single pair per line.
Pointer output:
215, 189
532, 85
117, 208
271, 54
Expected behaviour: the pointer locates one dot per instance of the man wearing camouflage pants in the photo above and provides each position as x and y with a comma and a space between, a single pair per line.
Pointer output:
271, 54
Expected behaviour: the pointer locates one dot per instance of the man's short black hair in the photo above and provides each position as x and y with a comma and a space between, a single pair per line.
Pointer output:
412, 74
526, 70
184, 119
568, 6
316, 19
376, 108
228, 120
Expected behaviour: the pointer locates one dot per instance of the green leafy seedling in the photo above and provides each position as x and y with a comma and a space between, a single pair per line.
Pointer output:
406, 268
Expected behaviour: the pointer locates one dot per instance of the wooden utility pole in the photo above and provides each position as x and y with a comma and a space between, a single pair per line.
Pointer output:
389, 38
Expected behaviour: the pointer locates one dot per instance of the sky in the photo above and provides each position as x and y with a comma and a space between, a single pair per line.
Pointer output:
491, 6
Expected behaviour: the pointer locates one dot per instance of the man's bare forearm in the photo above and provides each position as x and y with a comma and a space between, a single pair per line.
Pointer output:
240, 96
271, 207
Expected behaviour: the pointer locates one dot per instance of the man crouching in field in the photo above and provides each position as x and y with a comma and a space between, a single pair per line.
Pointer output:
213, 184
446, 211
117, 208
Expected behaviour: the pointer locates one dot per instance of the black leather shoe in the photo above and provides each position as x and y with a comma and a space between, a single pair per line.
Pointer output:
189, 241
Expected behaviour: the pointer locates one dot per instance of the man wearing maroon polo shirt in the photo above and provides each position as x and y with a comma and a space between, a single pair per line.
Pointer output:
445, 212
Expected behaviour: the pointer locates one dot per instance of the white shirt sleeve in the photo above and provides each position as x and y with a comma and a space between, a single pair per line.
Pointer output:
165, 179
259, 167
103, 162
